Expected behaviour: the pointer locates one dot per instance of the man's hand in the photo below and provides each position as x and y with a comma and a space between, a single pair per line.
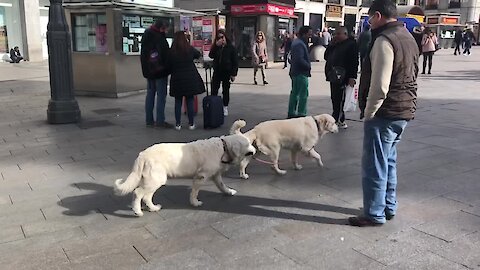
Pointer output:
232, 78
352, 82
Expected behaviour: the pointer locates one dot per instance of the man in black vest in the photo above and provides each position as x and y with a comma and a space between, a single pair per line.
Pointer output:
388, 100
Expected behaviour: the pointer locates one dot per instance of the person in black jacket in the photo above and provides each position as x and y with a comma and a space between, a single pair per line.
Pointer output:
286, 46
458, 39
153, 57
342, 56
225, 66
185, 81
15, 55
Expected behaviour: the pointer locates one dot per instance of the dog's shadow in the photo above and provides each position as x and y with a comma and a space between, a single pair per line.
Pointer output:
176, 197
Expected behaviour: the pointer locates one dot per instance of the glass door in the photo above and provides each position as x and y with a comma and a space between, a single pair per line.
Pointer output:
243, 31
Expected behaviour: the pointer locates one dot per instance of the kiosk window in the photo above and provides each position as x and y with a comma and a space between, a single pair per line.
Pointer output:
133, 28
89, 32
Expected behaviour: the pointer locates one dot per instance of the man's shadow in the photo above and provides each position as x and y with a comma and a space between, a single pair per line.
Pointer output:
177, 197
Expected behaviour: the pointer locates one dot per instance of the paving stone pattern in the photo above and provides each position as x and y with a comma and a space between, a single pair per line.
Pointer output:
58, 211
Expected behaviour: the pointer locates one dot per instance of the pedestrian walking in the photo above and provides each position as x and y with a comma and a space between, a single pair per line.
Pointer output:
429, 45
153, 57
388, 98
225, 67
458, 39
326, 37
185, 81
300, 69
286, 46
260, 57
341, 70
468, 39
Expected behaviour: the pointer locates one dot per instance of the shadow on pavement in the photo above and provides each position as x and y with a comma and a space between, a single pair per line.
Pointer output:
176, 197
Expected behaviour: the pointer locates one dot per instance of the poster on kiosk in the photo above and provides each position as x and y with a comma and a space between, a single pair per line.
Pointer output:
204, 29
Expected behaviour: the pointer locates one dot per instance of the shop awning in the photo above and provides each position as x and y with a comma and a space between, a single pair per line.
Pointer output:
133, 6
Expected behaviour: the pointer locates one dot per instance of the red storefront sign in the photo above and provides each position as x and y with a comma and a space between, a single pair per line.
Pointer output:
271, 9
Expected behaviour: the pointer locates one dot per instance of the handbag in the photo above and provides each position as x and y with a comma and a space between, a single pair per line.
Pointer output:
337, 75
351, 99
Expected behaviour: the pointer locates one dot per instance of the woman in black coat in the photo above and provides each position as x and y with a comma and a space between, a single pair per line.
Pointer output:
185, 81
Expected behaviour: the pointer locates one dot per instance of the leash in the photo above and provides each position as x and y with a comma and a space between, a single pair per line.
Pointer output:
264, 161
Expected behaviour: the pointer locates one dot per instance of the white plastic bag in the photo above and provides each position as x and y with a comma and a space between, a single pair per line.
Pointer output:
351, 99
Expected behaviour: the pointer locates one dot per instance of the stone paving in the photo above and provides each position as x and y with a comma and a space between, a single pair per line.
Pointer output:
57, 210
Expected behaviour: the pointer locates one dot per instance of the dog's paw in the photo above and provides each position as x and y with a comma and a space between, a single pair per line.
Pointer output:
320, 163
298, 167
138, 213
232, 192
244, 176
155, 208
196, 203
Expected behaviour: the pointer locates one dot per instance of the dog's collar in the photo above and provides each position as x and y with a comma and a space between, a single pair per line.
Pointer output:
225, 149
316, 123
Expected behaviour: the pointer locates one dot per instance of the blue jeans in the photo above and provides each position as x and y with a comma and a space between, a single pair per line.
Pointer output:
379, 167
158, 87
178, 110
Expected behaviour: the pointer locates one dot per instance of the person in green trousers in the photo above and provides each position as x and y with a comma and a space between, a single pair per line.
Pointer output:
299, 72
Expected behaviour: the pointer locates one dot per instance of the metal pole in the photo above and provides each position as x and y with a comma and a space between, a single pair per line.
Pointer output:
62, 106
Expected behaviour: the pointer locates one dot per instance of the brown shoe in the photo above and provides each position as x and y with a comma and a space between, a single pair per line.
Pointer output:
362, 222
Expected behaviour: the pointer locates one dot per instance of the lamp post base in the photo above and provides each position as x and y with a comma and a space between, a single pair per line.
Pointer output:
63, 112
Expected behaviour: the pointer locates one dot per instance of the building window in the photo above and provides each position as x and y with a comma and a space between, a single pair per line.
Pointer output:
402, 2
10, 28
454, 4
133, 28
431, 4
334, 2
420, 3
366, 3
351, 3
89, 32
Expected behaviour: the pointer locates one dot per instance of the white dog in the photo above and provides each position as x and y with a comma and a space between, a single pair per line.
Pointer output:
200, 160
297, 134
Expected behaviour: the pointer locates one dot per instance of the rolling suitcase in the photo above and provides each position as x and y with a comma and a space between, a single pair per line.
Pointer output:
212, 105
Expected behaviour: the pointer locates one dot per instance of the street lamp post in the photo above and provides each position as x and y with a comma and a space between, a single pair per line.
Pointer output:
62, 106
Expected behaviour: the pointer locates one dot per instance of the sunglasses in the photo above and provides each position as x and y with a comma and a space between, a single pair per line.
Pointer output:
220, 37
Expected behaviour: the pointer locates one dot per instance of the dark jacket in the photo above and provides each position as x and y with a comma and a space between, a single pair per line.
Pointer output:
401, 100
14, 55
458, 37
286, 45
300, 59
342, 54
154, 40
364, 42
225, 59
185, 79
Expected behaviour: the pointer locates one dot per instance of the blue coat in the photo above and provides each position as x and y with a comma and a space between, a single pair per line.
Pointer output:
300, 59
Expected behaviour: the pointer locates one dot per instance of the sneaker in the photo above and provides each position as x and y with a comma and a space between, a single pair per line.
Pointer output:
265, 82
342, 125
389, 216
178, 127
255, 82
150, 125
362, 222
225, 111
192, 127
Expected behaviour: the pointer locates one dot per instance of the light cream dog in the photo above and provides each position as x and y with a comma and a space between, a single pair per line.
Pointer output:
200, 160
297, 135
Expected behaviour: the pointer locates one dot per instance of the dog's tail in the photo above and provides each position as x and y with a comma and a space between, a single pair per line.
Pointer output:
236, 126
124, 187
239, 124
